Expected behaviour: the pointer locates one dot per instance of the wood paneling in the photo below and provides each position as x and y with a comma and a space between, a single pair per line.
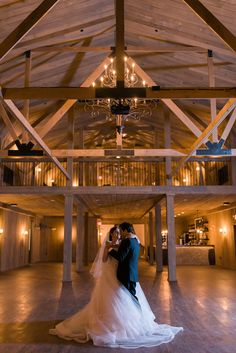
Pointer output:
14, 241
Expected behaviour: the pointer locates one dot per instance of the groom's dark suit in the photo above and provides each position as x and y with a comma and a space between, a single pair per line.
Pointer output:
127, 256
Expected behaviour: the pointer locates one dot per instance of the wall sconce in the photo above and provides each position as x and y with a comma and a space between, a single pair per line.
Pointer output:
223, 231
1, 230
25, 232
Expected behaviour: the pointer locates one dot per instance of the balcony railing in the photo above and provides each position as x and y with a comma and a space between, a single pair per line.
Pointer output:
114, 173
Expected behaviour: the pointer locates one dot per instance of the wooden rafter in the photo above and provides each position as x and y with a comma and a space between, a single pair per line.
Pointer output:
24, 27
56, 117
99, 153
120, 43
223, 113
56, 93
229, 126
211, 76
27, 84
168, 102
20, 117
131, 49
8, 122
223, 33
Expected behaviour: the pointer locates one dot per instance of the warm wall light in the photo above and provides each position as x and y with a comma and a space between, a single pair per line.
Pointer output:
25, 232
222, 231
1, 231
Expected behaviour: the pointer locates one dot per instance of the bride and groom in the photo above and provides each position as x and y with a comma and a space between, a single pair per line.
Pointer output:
118, 313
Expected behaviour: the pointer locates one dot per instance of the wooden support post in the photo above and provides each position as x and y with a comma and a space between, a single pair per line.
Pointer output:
171, 242
233, 160
151, 249
80, 237
25, 135
70, 144
120, 43
167, 130
159, 254
81, 164
146, 238
86, 261
67, 254
211, 75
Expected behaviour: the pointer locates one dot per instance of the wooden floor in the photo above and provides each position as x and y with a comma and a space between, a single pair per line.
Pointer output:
203, 301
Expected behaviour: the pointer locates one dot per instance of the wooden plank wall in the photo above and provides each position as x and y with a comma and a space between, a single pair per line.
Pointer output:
14, 242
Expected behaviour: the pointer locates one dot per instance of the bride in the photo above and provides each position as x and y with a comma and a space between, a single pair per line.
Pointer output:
113, 317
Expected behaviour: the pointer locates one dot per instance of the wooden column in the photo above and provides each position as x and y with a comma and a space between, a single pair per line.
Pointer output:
70, 142
167, 136
159, 255
68, 214
25, 136
211, 74
233, 159
80, 237
151, 259
120, 42
86, 250
146, 231
81, 164
67, 253
171, 242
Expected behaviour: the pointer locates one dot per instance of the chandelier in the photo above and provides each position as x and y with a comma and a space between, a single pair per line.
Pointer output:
135, 108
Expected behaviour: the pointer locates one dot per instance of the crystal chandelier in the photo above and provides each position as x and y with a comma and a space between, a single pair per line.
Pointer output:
135, 108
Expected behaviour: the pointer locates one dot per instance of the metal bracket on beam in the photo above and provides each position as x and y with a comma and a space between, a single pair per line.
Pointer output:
214, 148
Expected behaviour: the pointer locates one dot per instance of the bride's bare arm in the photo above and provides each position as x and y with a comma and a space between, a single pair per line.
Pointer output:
105, 253
106, 250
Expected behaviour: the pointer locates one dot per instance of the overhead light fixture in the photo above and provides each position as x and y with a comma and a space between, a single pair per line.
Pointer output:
135, 108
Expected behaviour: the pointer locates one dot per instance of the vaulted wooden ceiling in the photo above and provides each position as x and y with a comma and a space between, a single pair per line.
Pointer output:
165, 38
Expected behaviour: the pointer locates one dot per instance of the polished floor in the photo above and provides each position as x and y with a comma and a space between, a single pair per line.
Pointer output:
203, 301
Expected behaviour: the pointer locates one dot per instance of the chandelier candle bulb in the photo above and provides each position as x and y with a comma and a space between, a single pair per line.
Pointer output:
105, 67
133, 65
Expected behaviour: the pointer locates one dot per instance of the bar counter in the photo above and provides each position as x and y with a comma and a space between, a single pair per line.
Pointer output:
192, 255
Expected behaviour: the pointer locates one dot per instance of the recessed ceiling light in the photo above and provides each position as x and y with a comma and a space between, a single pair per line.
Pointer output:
226, 203
13, 204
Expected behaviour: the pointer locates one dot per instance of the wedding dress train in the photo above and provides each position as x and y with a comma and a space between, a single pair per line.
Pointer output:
113, 318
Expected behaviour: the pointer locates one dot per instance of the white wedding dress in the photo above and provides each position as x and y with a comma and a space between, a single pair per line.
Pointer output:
113, 318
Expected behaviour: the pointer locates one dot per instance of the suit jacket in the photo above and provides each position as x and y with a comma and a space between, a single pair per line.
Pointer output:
127, 256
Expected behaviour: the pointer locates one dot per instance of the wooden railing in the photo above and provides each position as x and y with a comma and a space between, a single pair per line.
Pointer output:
118, 173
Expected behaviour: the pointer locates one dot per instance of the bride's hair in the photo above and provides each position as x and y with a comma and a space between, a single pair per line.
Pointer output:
111, 231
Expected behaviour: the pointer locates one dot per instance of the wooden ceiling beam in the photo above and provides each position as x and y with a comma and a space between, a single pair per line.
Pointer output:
8, 123
83, 93
19, 116
66, 48
129, 49
24, 27
46, 127
131, 153
206, 16
223, 113
121, 190
229, 126
120, 43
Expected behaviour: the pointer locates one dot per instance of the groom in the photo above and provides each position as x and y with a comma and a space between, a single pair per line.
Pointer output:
127, 256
